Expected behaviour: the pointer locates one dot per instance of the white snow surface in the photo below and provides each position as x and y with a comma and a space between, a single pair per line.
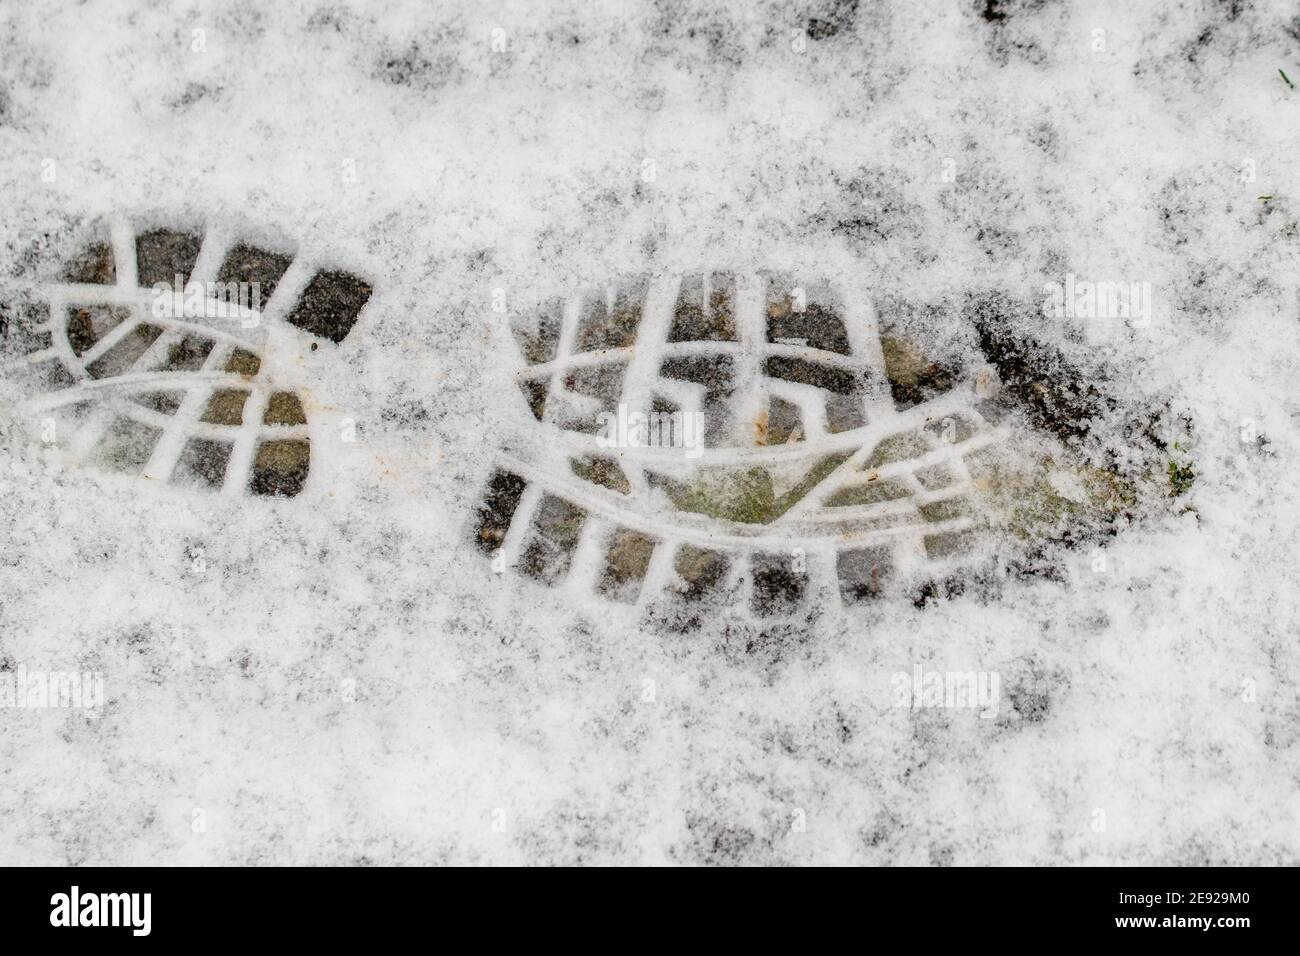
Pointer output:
347, 682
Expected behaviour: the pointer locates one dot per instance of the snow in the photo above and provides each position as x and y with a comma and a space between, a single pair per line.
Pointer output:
341, 679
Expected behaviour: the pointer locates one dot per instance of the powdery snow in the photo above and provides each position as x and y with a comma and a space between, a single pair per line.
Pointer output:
341, 678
